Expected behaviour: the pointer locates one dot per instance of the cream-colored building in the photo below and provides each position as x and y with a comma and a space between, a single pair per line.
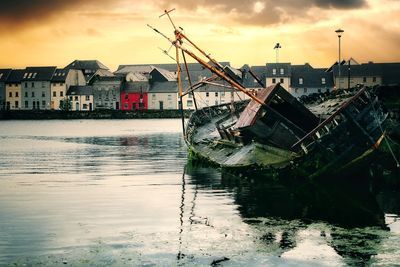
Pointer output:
210, 95
60, 83
278, 73
163, 95
13, 90
80, 98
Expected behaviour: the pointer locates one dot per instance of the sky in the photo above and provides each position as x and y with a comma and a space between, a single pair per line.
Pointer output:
56, 32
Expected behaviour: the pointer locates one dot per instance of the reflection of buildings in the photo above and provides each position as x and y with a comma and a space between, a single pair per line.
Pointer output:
354, 222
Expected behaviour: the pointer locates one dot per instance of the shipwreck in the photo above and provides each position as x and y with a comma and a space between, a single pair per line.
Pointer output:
272, 130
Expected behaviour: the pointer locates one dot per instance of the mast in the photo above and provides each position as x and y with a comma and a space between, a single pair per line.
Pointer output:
215, 67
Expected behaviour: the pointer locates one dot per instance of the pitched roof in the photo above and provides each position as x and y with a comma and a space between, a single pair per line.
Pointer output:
168, 75
86, 65
311, 78
80, 90
38, 73
270, 67
15, 76
60, 75
144, 69
365, 69
98, 73
135, 76
4, 73
164, 87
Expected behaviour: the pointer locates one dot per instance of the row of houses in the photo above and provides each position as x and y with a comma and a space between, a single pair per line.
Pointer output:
86, 85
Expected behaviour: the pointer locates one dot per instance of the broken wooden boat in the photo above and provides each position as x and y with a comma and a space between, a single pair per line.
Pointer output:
324, 136
273, 130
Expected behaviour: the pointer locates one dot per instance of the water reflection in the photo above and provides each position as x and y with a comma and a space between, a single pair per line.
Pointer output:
97, 193
345, 214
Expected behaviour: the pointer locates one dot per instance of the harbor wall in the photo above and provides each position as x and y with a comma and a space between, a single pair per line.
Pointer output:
97, 114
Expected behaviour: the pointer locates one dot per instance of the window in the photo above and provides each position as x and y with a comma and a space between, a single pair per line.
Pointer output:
274, 71
323, 81
43, 94
169, 97
207, 94
319, 90
26, 104
16, 104
282, 71
364, 79
43, 103
33, 84
26, 85
222, 94
373, 79
281, 80
54, 93
61, 93
190, 95
10, 94
33, 94
300, 80
16, 94
70, 98
273, 80
43, 85
76, 98
190, 103
126, 105
87, 98
216, 94
26, 94
84, 106
153, 95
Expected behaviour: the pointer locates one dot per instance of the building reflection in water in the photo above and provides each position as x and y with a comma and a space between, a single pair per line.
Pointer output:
353, 221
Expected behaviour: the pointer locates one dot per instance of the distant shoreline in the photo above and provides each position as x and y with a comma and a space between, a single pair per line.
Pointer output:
97, 114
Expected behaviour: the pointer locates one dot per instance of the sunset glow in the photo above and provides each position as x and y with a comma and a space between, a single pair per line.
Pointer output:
38, 32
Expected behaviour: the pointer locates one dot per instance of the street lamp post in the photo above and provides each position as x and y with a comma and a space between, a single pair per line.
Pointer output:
339, 33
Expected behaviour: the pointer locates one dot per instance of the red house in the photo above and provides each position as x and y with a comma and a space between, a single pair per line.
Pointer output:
134, 93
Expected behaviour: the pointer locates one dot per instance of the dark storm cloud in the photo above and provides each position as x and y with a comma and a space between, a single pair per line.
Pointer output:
272, 12
19, 13
341, 4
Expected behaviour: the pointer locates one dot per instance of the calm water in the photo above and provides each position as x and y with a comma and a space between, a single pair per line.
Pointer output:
120, 193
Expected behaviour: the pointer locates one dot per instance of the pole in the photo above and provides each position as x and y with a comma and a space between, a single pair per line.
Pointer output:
339, 62
348, 73
339, 33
